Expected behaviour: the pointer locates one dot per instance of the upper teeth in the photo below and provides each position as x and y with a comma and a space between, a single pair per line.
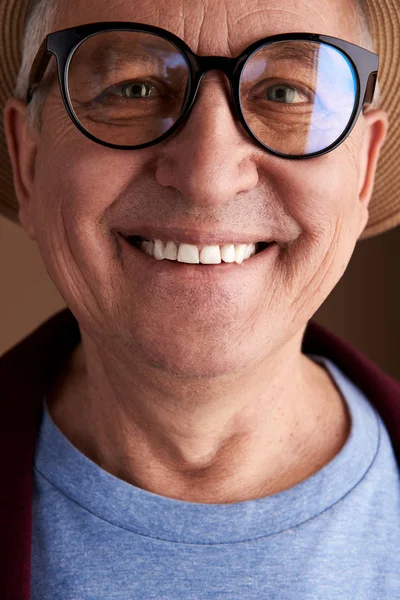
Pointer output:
207, 255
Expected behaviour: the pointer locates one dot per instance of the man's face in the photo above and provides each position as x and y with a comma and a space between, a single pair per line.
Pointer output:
209, 178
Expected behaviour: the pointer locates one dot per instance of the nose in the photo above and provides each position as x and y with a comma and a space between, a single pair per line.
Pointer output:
210, 159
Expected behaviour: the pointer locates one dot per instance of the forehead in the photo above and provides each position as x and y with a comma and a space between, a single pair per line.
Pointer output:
219, 26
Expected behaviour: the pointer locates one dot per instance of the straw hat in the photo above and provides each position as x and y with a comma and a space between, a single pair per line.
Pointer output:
384, 19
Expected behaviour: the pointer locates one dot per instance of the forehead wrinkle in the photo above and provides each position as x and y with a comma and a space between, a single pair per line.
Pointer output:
264, 27
223, 27
74, 13
264, 22
211, 14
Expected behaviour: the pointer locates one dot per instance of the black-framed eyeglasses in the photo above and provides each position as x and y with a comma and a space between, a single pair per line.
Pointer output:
128, 86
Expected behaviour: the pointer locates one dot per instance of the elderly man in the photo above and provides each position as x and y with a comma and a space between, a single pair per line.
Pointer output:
196, 176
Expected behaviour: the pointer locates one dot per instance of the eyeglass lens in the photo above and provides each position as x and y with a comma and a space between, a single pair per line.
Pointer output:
129, 88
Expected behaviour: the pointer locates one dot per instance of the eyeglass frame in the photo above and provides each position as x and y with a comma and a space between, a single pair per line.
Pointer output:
63, 44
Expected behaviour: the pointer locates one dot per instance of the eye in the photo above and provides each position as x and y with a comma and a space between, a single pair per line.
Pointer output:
132, 90
137, 89
284, 94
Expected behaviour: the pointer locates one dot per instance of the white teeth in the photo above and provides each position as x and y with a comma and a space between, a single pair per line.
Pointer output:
228, 253
148, 247
158, 253
250, 250
247, 252
171, 251
210, 255
240, 250
188, 253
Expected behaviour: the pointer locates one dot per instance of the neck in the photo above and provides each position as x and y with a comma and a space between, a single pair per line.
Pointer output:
220, 440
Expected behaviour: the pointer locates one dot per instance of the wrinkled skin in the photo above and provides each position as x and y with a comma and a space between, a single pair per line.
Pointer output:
185, 381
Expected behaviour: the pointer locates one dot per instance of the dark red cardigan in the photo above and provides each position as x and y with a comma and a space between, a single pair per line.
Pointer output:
27, 371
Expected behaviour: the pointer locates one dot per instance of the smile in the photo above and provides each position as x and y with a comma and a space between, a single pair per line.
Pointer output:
192, 254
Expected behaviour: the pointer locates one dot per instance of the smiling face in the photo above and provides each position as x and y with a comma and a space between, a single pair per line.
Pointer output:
207, 184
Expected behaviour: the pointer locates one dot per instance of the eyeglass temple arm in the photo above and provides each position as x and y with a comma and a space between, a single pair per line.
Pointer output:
38, 69
370, 91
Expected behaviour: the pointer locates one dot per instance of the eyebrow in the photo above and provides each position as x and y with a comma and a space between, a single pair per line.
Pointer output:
102, 54
302, 52
306, 53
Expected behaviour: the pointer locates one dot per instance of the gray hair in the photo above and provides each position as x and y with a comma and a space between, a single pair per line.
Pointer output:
39, 21
40, 17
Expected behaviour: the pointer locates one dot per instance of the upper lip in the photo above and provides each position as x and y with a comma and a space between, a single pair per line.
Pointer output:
195, 237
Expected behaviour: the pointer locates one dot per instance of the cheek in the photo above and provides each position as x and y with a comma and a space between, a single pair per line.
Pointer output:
77, 180
321, 194
75, 176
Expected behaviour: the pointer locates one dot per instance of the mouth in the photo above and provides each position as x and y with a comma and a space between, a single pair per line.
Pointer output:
197, 254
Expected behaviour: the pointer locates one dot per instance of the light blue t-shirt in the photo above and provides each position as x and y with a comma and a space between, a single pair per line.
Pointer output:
334, 536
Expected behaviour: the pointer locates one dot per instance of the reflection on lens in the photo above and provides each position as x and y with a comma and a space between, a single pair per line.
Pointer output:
298, 97
127, 88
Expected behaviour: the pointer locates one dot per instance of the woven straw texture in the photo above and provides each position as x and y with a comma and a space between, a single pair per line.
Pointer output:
384, 18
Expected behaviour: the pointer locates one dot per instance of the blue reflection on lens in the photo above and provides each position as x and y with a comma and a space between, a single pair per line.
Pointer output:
336, 92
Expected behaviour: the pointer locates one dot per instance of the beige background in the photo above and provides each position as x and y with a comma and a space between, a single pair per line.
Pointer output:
363, 308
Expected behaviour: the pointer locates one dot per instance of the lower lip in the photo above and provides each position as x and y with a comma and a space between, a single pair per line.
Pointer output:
179, 268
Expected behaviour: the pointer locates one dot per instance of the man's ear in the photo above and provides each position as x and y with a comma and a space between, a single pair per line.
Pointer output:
376, 125
22, 148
